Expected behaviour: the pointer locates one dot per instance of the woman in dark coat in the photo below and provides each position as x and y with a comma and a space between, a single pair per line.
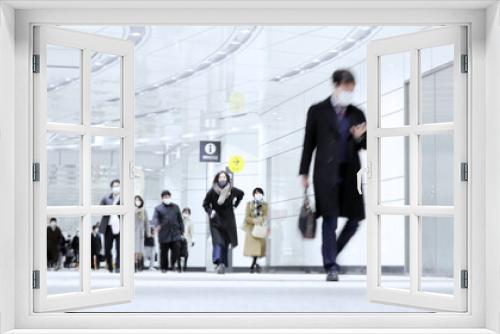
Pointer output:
219, 204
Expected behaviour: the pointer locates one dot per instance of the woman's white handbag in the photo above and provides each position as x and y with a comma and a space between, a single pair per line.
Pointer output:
259, 231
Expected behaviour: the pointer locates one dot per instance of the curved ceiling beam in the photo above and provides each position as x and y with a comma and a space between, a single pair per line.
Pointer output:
347, 44
240, 37
137, 35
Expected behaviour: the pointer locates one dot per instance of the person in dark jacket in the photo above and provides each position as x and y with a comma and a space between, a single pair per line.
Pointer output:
95, 247
219, 204
69, 256
55, 239
110, 228
75, 246
168, 221
336, 130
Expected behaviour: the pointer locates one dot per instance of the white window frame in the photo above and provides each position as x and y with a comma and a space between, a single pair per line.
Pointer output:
282, 15
412, 44
87, 43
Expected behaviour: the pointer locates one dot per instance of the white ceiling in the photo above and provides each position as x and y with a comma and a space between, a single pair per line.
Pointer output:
235, 89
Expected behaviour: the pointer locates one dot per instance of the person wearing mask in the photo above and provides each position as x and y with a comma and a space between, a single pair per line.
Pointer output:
219, 204
336, 131
187, 238
95, 247
75, 246
256, 214
149, 248
55, 239
110, 228
170, 227
141, 230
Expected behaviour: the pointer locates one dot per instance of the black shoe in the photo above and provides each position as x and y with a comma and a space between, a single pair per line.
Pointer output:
258, 269
332, 276
221, 269
252, 270
164, 271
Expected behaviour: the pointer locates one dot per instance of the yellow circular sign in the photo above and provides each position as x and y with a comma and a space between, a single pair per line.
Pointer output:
236, 163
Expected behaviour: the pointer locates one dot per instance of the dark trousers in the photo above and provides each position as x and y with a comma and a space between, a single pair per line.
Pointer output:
109, 239
331, 246
175, 248
219, 254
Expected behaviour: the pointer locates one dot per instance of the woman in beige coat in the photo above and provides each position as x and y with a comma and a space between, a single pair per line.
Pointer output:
256, 214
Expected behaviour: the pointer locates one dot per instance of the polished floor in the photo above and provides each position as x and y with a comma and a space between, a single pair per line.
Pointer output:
237, 292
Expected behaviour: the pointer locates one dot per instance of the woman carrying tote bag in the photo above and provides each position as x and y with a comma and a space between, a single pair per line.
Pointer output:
256, 229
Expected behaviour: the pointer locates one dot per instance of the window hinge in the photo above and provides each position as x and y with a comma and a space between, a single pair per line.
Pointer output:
465, 63
36, 172
36, 279
36, 63
464, 279
464, 171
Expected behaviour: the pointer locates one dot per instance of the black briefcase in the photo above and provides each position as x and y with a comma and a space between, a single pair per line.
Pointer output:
307, 219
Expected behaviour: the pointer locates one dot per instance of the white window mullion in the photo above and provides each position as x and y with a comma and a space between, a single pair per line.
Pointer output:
414, 170
87, 172
127, 244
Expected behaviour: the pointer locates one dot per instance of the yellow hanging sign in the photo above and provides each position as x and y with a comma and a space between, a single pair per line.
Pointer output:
236, 163
236, 102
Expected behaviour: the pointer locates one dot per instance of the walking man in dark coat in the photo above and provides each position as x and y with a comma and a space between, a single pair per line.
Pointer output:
168, 221
55, 239
336, 130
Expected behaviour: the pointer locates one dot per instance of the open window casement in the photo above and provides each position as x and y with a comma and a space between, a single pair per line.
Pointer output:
66, 68
417, 105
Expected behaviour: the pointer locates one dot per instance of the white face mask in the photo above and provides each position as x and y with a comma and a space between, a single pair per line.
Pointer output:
115, 190
53, 225
167, 201
185, 215
138, 203
259, 197
344, 98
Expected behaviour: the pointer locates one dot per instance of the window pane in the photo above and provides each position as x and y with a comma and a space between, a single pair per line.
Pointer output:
63, 250
436, 178
437, 254
394, 89
106, 90
436, 84
63, 169
394, 171
394, 252
105, 252
106, 167
63, 84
